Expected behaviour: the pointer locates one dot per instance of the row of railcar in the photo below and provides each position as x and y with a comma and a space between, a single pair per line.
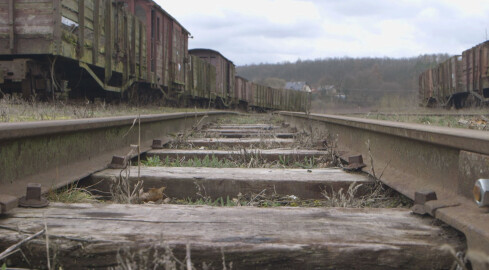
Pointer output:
460, 81
92, 48
229, 90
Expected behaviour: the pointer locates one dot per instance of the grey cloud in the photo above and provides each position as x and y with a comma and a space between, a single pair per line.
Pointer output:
247, 38
359, 9
236, 25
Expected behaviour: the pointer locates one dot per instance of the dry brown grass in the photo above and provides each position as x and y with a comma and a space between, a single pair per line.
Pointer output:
15, 109
375, 196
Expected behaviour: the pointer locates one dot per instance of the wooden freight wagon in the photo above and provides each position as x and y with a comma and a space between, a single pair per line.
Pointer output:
167, 47
449, 87
476, 71
259, 98
45, 45
225, 75
425, 94
243, 90
201, 80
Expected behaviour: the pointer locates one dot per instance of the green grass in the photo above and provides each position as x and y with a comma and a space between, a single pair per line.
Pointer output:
72, 194
152, 162
387, 199
250, 119
207, 201
207, 161
251, 161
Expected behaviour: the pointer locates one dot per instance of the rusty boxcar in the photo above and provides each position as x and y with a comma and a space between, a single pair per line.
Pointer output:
225, 75
476, 72
52, 47
45, 45
459, 81
449, 86
201, 80
167, 46
243, 91
426, 87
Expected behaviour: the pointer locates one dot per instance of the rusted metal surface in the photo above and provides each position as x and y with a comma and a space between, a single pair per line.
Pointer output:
85, 31
54, 153
201, 79
459, 81
33, 197
118, 162
355, 163
413, 158
15, 70
441, 85
167, 44
476, 64
243, 89
421, 197
7, 203
481, 192
225, 72
160, 143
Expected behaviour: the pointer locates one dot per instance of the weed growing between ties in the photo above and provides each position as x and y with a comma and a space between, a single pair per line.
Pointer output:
255, 200
244, 160
251, 119
121, 189
208, 162
375, 196
72, 194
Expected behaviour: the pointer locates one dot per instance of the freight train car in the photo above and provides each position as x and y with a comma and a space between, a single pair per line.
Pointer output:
167, 46
426, 89
476, 72
61, 45
83, 47
460, 81
443, 85
201, 81
225, 76
243, 91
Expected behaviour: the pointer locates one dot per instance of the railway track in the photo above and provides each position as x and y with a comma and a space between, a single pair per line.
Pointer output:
258, 201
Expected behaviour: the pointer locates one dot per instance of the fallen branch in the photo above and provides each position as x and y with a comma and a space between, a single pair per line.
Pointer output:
12, 248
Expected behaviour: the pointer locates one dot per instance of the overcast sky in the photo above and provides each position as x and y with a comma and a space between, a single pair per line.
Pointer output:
270, 31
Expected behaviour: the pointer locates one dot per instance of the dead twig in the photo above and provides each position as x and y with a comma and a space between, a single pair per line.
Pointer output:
458, 263
189, 261
47, 243
14, 248
254, 198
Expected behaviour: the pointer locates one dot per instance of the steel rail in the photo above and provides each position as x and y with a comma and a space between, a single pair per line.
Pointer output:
413, 158
55, 153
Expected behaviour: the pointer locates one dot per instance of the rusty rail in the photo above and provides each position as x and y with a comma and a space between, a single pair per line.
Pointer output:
415, 158
55, 153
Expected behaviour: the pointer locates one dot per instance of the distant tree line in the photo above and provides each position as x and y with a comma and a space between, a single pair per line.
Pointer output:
345, 73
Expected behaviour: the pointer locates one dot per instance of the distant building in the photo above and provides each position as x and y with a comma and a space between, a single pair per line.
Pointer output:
329, 90
298, 86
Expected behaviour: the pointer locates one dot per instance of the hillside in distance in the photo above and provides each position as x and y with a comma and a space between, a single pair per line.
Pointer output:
364, 82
